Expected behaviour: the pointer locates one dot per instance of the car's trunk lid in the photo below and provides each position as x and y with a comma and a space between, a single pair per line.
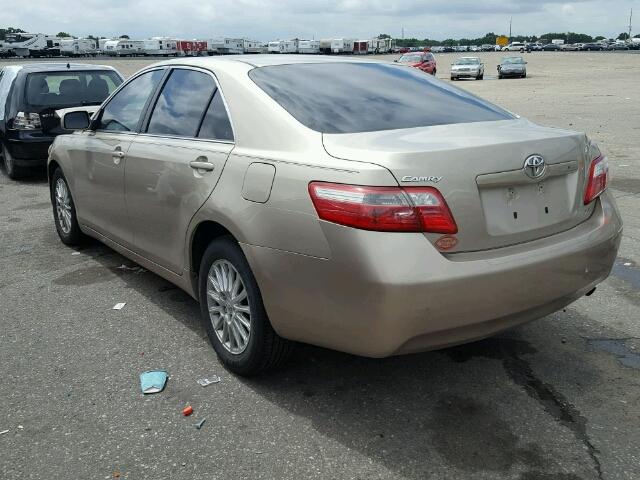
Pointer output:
479, 168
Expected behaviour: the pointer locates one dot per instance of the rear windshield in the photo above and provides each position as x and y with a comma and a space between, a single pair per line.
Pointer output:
69, 89
367, 97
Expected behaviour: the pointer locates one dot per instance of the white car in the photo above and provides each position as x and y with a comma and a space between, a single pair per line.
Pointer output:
467, 67
514, 47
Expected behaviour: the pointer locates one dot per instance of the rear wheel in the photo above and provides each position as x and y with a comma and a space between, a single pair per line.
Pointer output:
64, 210
13, 171
233, 313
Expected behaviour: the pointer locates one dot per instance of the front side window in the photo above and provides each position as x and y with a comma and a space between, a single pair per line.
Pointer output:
182, 104
123, 112
69, 89
355, 97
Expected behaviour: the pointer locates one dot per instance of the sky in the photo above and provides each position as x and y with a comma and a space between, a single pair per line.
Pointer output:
283, 19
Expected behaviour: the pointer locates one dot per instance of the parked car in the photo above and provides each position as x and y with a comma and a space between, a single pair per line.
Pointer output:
591, 46
488, 47
551, 47
467, 67
421, 60
512, 67
297, 212
618, 46
449, 49
569, 47
404, 50
31, 94
534, 47
514, 47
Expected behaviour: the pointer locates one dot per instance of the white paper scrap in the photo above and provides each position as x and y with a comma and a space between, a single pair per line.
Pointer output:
119, 306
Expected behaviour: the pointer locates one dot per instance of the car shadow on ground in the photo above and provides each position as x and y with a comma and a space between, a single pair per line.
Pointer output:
460, 407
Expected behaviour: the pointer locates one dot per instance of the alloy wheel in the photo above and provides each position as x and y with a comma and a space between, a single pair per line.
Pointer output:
228, 305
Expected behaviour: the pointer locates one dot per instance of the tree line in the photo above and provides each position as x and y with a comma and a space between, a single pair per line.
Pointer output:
490, 39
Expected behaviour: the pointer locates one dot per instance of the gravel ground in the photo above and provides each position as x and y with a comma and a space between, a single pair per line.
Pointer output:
558, 398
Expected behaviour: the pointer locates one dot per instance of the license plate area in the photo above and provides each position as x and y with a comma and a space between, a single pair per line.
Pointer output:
531, 206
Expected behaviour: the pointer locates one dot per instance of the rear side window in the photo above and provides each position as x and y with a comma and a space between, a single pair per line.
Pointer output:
67, 89
216, 124
124, 110
182, 104
366, 97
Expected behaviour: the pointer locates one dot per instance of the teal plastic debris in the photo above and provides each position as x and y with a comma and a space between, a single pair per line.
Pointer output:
153, 381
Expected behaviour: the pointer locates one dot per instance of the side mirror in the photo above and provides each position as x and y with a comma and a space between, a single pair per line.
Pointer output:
78, 120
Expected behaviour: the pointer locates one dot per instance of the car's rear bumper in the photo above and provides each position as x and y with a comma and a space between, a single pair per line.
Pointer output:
29, 148
511, 73
383, 293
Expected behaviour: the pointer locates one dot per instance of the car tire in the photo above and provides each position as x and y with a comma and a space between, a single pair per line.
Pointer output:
263, 349
13, 171
453, 79
64, 210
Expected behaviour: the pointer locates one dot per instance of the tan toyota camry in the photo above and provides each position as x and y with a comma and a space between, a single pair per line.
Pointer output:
357, 205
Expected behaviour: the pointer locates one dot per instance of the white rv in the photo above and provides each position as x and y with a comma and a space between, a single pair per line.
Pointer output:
77, 47
252, 46
289, 46
341, 45
382, 45
274, 47
161, 46
30, 45
309, 46
124, 47
225, 46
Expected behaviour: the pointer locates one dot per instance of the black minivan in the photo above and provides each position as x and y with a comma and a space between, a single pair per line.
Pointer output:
30, 94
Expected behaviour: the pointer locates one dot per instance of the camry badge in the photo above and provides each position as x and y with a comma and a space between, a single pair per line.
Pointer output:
534, 166
431, 179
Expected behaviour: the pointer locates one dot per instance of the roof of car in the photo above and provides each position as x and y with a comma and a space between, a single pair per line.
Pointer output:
262, 60
60, 66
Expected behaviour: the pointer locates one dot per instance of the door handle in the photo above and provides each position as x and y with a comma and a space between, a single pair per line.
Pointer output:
117, 155
202, 165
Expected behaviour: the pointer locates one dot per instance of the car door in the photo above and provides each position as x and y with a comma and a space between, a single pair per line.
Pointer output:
99, 158
175, 163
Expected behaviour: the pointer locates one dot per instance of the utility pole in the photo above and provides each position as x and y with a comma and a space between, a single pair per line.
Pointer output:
630, 18
510, 22
402, 33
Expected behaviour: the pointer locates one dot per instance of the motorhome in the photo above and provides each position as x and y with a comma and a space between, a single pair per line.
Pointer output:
309, 46
77, 47
124, 47
252, 46
161, 46
30, 45
225, 46
341, 45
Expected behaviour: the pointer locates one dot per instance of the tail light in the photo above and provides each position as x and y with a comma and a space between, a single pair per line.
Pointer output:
27, 121
597, 180
383, 209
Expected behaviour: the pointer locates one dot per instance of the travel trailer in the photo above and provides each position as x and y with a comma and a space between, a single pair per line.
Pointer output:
161, 46
192, 48
341, 45
325, 46
30, 45
309, 46
225, 46
77, 47
252, 46
124, 47
274, 47
289, 46
361, 47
